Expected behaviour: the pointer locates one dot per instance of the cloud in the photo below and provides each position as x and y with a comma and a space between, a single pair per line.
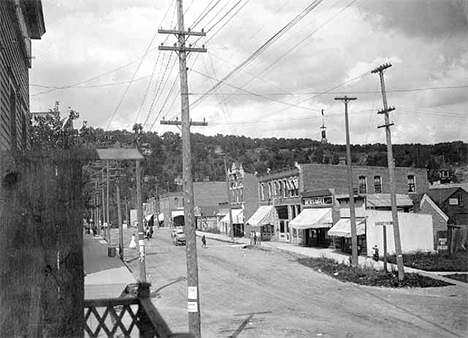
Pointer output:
426, 41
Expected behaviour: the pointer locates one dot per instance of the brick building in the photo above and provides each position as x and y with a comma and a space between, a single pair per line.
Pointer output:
439, 218
20, 22
243, 188
294, 189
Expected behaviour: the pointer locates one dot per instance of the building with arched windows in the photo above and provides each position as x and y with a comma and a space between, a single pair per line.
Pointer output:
304, 196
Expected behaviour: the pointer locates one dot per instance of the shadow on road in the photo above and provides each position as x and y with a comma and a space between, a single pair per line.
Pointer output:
243, 325
155, 293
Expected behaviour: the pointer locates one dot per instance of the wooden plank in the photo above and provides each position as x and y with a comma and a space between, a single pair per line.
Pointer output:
41, 245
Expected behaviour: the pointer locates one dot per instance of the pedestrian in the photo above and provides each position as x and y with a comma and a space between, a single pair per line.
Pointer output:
252, 234
258, 235
255, 238
132, 242
148, 233
203, 240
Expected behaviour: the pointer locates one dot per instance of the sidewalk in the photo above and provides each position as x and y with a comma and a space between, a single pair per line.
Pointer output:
106, 277
302, 251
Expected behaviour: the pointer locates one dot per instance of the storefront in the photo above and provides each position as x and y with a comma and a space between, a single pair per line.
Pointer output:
311, 226
178, 218
237, 222
264, 220
341, 235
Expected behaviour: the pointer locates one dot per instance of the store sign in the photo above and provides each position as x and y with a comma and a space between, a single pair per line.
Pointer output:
442, 244
317, 200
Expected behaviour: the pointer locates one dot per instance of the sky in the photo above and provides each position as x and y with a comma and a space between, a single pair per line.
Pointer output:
270, 68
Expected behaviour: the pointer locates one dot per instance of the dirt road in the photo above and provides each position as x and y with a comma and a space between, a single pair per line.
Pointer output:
255, 293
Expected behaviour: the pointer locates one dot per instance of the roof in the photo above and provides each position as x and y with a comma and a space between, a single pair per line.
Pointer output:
343, 228
264, 215
427, 199
237, 217
441, 195
313, 218
383, 200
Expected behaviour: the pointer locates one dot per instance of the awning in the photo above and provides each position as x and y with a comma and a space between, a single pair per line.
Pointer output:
343, 228
161, 217
266, 214
313, 218
237, 217
148, 217
176, 213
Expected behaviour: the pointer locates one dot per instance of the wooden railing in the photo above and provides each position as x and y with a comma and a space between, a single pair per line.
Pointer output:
126, 317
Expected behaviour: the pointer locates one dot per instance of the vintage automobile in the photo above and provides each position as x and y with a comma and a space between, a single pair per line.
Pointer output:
178, 237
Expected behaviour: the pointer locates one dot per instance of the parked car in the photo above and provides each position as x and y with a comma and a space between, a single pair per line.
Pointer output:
178, 237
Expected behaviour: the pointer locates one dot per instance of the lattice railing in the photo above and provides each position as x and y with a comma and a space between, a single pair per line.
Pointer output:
126, 317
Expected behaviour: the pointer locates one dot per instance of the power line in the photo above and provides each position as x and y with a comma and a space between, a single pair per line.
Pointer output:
262, 48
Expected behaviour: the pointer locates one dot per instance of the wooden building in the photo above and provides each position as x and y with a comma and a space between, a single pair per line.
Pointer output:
20, 22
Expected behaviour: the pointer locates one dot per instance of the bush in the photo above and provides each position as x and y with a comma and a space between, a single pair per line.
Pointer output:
434, 261
367, 275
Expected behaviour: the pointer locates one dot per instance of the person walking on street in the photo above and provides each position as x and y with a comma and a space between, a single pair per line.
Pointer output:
258, 235
203, 240
255, 238
132, 242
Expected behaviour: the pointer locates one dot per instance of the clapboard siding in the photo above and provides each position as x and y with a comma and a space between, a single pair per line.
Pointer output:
14, 75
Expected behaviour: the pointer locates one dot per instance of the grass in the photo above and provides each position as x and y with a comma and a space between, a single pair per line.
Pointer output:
369, 276
462, 277
435, 261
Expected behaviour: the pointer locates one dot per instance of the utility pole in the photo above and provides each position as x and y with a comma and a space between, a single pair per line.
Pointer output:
391, 170
141, 240
193, 299
229, 200
107, 205
103, 208
119, 217
352, 212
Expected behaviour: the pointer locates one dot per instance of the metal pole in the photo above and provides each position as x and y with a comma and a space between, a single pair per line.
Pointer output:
391, 171
141, 240
231, 226
352, 212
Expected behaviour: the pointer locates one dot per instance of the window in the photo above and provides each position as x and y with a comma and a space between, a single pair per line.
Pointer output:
411, 184
262, 191
362, 185
377, 184
460, 200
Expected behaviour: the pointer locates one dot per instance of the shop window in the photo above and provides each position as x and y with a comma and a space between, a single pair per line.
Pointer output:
377, 184
362, 185
411, 183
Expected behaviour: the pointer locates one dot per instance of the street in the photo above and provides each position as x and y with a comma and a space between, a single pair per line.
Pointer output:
259, 293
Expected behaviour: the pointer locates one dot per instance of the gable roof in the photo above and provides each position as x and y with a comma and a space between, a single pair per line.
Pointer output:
439, 196
427, 199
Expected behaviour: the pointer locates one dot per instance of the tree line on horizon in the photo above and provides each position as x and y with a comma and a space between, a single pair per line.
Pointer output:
162, 166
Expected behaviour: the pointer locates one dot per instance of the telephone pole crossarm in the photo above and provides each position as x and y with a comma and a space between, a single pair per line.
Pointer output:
384, 111
183, 49
177, 32
381, 68
179, 123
